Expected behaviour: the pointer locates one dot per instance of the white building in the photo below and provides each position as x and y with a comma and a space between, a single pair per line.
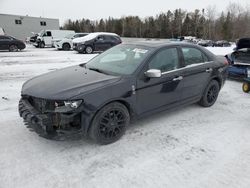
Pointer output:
22, 27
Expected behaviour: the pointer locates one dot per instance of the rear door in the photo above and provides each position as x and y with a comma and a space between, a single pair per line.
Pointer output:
197, 72
154, 93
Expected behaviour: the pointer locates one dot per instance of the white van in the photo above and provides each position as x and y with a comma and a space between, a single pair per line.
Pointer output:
1, 31
45, 37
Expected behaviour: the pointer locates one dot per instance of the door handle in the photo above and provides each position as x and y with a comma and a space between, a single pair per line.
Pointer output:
178, 78
209, 70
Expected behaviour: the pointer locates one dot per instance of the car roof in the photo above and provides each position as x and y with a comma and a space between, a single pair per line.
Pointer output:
81, 33
104, 33
159, 44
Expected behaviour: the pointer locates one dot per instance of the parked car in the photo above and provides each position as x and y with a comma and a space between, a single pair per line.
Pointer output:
10, 43
223, 43
46, 36
66, 43
206, 43
99, 41
240, 60
126, 82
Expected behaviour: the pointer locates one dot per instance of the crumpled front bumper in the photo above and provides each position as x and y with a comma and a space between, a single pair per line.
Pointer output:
49, 125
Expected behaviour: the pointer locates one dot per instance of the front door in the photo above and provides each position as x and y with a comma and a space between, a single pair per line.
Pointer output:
101, 43
153, 93
47, 37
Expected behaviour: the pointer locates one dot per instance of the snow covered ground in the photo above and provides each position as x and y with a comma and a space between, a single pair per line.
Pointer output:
187, 148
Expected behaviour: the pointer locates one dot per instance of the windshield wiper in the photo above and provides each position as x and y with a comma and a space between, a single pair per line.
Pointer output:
97, 70
83, 65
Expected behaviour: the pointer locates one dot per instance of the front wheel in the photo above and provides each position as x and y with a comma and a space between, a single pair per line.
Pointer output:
210, 94
110, 123
41, 45
66, 47
246, 87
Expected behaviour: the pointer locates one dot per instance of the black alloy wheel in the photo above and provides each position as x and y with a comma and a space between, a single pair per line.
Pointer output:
110, 123
210, 94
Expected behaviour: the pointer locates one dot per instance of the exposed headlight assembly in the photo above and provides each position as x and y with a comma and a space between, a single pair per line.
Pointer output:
67, 106
73, 104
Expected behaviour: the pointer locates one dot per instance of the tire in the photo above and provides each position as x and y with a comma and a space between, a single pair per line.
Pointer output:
41, 45
109, 124
246, 87
66, 47
210, 94
13, 48
89, 50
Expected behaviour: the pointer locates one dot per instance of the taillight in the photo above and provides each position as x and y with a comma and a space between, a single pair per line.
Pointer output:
226, 62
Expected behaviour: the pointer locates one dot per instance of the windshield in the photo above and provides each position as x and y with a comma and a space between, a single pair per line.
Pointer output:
89, 36
122, 59
70, 36
41, 33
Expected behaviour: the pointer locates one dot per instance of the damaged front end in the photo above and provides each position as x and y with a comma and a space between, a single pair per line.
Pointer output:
50, 118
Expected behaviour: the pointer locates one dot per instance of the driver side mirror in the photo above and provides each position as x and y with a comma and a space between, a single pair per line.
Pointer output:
153, 73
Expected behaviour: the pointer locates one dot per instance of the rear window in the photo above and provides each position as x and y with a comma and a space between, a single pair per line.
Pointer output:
193, 56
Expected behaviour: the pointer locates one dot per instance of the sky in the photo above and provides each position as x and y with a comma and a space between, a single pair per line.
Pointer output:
97, 9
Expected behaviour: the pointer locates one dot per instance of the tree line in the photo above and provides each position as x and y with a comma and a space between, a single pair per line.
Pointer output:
231, 24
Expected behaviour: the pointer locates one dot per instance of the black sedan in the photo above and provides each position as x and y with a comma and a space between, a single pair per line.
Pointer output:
10, 43
129, 81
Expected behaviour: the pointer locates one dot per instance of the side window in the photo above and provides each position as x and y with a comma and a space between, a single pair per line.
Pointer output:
193, 56
101, 37
4, 38
165, 60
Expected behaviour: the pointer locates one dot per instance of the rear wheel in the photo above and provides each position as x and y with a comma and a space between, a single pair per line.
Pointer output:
210, 94
13, 48
66, 47
246, 87
110, 123
89, 50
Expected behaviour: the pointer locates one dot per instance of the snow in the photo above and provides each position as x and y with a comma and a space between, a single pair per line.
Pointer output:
188, 147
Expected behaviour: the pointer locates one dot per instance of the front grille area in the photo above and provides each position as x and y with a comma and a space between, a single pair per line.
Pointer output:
43, 105
39, 115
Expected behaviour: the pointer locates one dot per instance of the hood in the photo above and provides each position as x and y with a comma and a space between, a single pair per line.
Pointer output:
67, 83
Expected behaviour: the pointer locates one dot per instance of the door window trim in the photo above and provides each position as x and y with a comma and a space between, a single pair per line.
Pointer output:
202, 53
183, 68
